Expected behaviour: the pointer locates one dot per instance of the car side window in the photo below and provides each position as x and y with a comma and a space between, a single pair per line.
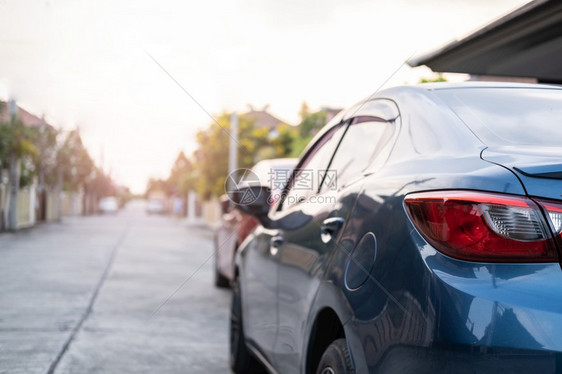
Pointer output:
359, 147
310, 171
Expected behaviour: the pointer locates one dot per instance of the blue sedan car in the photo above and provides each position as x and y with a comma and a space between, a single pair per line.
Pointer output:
420, 233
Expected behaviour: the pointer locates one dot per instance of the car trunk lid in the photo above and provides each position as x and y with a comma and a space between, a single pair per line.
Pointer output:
540, 170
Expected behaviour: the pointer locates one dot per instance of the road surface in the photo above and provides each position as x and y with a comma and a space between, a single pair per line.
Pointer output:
129, 293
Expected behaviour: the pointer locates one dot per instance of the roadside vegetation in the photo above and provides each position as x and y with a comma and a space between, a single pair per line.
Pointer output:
54, 160
206, 169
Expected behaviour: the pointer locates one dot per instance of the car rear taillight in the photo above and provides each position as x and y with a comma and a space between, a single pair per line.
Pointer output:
554, 213
486, 227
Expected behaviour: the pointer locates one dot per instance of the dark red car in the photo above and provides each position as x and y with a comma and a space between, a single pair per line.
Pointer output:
235, 226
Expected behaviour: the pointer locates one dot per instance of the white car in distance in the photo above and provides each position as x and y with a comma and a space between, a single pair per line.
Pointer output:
108, 204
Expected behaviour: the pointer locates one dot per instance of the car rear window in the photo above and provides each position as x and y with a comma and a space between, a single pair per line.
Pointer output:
509, 116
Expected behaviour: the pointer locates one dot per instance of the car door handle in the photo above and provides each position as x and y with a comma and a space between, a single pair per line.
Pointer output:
329, 227
275, 243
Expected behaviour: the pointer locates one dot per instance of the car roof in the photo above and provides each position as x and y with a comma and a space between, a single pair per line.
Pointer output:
382, 103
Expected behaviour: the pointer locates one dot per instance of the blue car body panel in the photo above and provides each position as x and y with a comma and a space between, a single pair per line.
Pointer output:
540, 170
404, 306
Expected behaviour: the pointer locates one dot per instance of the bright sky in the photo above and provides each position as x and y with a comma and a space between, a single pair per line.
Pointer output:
86, 63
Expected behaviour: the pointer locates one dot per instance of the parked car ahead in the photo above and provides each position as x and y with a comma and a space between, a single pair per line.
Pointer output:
155, 206
434, 246
108, 204
235, 225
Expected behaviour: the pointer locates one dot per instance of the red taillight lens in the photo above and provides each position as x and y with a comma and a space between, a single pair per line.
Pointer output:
486, 227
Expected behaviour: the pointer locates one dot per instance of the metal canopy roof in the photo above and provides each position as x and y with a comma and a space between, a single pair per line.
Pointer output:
524, 43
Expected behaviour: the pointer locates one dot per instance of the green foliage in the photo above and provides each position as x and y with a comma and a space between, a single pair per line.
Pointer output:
284, 142
309, 126
207, 170
18, 140
312, 123
74, 162
182, 177
46, 157
254, 144
27, 173
5, 140
38, 150
299, 144
437, 79
212, 155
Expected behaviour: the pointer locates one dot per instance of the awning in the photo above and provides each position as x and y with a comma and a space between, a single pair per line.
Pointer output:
525, 43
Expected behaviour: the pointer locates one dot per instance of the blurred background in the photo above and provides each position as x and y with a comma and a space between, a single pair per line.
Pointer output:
125, 98
120, 121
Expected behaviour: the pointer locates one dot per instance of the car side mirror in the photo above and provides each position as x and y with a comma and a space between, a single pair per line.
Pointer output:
253, 200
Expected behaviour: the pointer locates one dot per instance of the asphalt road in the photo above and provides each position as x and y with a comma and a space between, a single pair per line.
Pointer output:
129, 293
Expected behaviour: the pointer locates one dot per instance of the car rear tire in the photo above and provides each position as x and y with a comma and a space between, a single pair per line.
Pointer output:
336, 359
241, 360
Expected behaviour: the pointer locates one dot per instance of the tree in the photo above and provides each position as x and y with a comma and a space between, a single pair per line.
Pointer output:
310, 124
182, 176
17, 141
16, 151
75, 166
156, 185
285, 140
45, 160
207, 170
37, 151
100, 184
11, 131
211, 157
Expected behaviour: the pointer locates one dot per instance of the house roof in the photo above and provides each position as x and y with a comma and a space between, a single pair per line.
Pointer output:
525, 43
27, 118
262, 118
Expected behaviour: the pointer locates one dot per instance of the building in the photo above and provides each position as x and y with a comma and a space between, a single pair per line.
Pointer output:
525, 45
26, 118
34, 202
262, 118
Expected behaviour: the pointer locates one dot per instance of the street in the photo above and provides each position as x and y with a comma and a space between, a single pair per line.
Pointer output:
129, 293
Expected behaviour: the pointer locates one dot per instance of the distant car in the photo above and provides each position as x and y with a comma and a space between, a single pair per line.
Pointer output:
155, 206
109, 204
235, 226
433, 246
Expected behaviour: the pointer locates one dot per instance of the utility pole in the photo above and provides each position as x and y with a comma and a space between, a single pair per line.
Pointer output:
59, 193
191, 201
233, 151
14, 185
41, 192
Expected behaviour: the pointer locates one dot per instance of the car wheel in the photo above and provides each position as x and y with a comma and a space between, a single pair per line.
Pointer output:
241, 360
220, 280
336, 359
